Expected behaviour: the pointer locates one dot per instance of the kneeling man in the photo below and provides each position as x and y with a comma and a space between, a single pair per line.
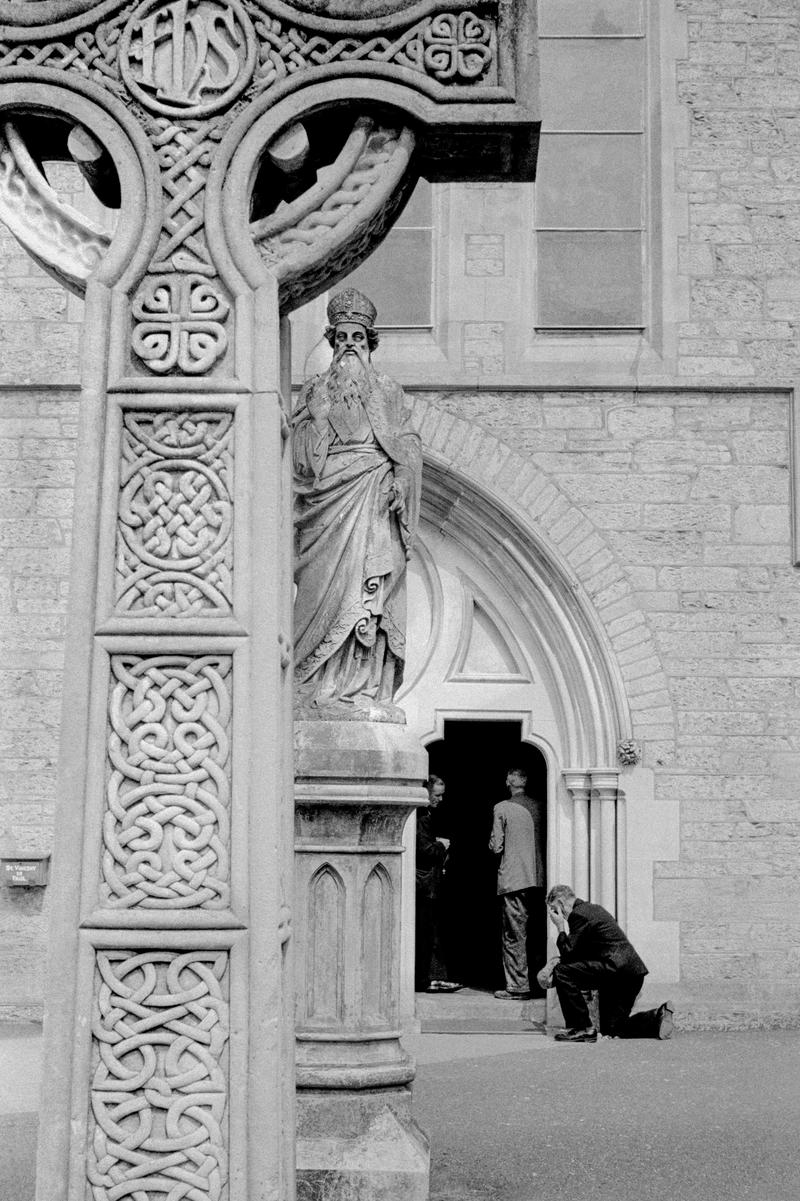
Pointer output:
595, 954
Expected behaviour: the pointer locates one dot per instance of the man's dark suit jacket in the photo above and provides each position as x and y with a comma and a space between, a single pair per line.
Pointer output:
594, 935
431, 855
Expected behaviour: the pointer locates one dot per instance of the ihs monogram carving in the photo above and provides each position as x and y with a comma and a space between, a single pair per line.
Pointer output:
159, 1088
187, 58
179, 324
166, 829
175, 515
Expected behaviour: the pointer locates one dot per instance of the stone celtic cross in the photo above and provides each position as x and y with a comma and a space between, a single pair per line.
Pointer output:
258, 150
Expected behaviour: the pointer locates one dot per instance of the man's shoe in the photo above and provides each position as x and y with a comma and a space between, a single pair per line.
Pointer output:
577, 1036
665, 1023
505, 994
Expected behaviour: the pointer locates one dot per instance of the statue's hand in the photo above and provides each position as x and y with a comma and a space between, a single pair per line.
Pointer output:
399, 493
319, 406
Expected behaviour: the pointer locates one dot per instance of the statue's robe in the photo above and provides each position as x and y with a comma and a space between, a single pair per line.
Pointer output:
350, 550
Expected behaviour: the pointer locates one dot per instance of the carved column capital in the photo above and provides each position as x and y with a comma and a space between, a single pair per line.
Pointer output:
604, 783
578, 783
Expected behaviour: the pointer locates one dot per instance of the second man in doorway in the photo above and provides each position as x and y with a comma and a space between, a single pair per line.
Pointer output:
518, 838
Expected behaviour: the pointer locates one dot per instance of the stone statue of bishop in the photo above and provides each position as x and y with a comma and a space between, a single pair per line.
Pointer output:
358, 467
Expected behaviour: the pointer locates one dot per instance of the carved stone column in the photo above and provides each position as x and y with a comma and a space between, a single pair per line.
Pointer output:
356, 783
595, 835
605, 790
579, 789
168, 1061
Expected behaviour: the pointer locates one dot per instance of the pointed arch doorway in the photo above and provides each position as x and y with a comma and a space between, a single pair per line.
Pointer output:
473, 757
507, 660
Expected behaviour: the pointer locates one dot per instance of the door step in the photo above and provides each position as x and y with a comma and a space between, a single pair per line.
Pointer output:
473, 1012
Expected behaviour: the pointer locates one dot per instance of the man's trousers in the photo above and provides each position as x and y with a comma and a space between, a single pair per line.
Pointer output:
428, 957
518, 908
616, 992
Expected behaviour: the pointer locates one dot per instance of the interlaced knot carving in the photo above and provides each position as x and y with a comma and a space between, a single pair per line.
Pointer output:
366, 175
175, 514
166, 829
93, 52
449, 47
184, 154
160, 1027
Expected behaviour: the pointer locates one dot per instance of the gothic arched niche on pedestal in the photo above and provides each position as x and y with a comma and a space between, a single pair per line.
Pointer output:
378, 955
325, 971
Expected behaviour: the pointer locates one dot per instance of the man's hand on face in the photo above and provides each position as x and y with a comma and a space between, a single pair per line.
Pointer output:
557, 917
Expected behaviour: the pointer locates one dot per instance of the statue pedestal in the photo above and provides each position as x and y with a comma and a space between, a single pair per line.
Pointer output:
355, 785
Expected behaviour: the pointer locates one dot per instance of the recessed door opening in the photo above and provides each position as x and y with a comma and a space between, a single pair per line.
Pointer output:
473, 759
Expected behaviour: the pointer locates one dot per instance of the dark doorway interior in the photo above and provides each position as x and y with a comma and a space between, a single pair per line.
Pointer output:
473, 759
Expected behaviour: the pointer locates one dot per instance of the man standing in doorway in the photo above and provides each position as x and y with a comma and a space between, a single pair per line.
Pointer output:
518, 838
430, 974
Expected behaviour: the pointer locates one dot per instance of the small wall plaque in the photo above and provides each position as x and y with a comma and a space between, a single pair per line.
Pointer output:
24, 871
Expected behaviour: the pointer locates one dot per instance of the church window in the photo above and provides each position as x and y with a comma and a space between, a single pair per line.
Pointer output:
398, 276
590, 200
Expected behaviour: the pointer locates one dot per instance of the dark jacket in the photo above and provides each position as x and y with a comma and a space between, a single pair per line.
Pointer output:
594, 935
430, 855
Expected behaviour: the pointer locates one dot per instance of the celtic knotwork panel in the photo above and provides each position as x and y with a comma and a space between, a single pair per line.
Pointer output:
158, 1123
179, 324
92, 52
175, 515
166, 828
184, 155
450, 48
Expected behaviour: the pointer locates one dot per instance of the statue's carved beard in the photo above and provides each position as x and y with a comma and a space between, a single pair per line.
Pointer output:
349, 380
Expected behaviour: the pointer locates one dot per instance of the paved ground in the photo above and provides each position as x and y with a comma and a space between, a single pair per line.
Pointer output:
20, 1073
704, 1117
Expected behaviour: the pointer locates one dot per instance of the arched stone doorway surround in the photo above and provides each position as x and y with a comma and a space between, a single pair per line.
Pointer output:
519, 609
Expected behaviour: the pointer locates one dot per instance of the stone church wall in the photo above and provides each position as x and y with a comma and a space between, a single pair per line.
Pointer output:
739, 85
37, 468
688, 492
